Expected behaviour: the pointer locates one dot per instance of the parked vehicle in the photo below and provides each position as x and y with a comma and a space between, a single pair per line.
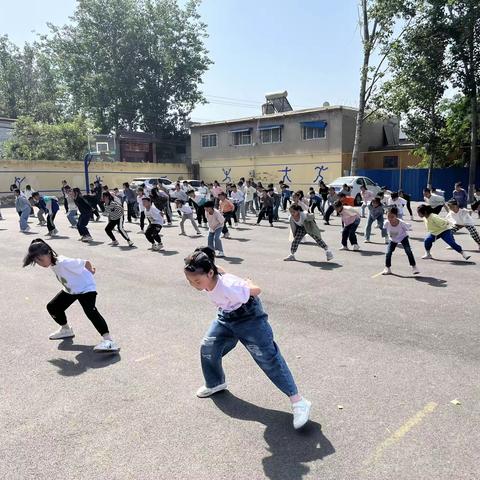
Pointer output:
355, 183
195, 184
151, 182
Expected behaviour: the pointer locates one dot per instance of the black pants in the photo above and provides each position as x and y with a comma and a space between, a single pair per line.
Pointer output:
228, 218
131, 211
119, 224
316, 205
201, 217
409, 208
329, 211
50, 220
57, 306
408, 250
142, 221
284, 202
82, 223
437, 209
268, 211
95, 212
153, 233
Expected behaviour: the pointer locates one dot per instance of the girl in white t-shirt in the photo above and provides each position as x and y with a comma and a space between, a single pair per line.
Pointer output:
240, 317
397, 231
76, 276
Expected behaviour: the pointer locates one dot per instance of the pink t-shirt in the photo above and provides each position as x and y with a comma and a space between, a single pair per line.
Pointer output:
398, 232
230, 292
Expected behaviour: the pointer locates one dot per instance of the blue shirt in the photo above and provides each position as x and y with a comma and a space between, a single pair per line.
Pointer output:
461, 197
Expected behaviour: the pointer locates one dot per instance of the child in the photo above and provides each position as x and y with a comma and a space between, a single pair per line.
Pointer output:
199, 205
408, 200
76, 276
227, 209
266, 200
459, 218
437, 228
396, 201
351, 221
476, 204
375, 214
85, 210
302, 223
367, 197
155, 221
71, 207
437, 202
238, 199
23, 207
331, 199
115, 215
49, 206
398, 232
240, 317
298, 199
141, 209
286, 196
315, 202
187, 214
216, 224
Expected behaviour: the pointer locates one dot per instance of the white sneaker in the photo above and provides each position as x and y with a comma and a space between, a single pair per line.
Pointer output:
290, 258
81, 239
329, 255
387, 271
427, 256
155, 247
106, 346
367, 241
199, 234
182, 234
160, 247
204, 391
27, 229
87, 239
448, 248
343, 248
301, 413
356, 247
220, 254
227, 235
114, 243
55, 231
415, 270
465, 255
130, 243
62, 332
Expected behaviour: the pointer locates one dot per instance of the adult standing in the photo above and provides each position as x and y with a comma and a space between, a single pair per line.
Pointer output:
460, 195
130, 198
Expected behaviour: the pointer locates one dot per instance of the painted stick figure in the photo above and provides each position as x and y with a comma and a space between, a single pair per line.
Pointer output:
285, 172
18, 182
227, 175
320, 169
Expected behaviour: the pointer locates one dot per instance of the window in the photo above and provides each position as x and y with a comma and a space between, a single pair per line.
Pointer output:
243, 137
271, 135
369, 182
102, 146
209, 141
390, 162
360, 182
311, 133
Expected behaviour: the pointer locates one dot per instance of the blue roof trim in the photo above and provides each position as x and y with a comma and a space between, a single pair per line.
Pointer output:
317, 124
237, 130
269, 127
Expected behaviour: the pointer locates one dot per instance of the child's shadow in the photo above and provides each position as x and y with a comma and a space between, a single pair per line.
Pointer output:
290, 450
86, 359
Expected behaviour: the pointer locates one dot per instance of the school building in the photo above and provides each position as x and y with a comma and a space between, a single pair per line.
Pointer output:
300, 147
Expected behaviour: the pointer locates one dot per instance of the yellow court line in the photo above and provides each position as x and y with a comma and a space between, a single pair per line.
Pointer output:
141, 359
401, 432
376, 275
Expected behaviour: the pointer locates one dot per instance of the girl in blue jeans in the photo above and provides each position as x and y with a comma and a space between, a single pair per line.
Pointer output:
240, 317
437, 227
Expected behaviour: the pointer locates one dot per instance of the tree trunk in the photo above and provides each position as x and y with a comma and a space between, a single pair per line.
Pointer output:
472, 171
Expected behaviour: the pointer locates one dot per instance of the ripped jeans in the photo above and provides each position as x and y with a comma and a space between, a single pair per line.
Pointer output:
249, 324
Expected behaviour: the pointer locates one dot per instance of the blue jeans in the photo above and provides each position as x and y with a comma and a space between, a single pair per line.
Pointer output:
446, 236
72, 217
368, 228
249, 324
214, 239
408, 250
24, 214
82, 224
348, 233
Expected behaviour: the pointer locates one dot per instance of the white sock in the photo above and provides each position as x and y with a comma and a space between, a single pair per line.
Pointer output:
107, 336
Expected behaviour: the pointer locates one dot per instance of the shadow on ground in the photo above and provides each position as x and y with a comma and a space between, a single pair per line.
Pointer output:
323, 265
85, 359
289, 450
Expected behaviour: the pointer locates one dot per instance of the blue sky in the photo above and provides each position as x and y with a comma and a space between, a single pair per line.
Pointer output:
310, 48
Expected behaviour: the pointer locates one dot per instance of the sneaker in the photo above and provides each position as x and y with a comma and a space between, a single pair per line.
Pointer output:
114, 243
160, 247
199, 234
465, 255
130, 243
326, 223
182, 234
367, 240
301, 413
448, 248
106, 346
55, 231
81, 239
155, 247
329, 255
356, 247
227, 235
387, 271
343, 248
62, 332
415, 270
290, 258
427, 256
87, 239
27, 229
220, 254
236, 225
271, 224
204, 391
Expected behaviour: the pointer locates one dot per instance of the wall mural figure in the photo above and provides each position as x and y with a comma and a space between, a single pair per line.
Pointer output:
319, 177
18, 182
227, 175
285, 172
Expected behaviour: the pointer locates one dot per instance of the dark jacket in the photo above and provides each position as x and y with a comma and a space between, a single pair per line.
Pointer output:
83, 205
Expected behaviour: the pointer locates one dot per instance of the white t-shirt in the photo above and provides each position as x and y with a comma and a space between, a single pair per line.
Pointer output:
141, 208
238, 196
399, 203
398, 232
73, 275
462, 217
185, 208
154, 215
230, 292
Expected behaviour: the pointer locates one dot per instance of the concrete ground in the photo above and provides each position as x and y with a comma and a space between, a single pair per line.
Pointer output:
381, 358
